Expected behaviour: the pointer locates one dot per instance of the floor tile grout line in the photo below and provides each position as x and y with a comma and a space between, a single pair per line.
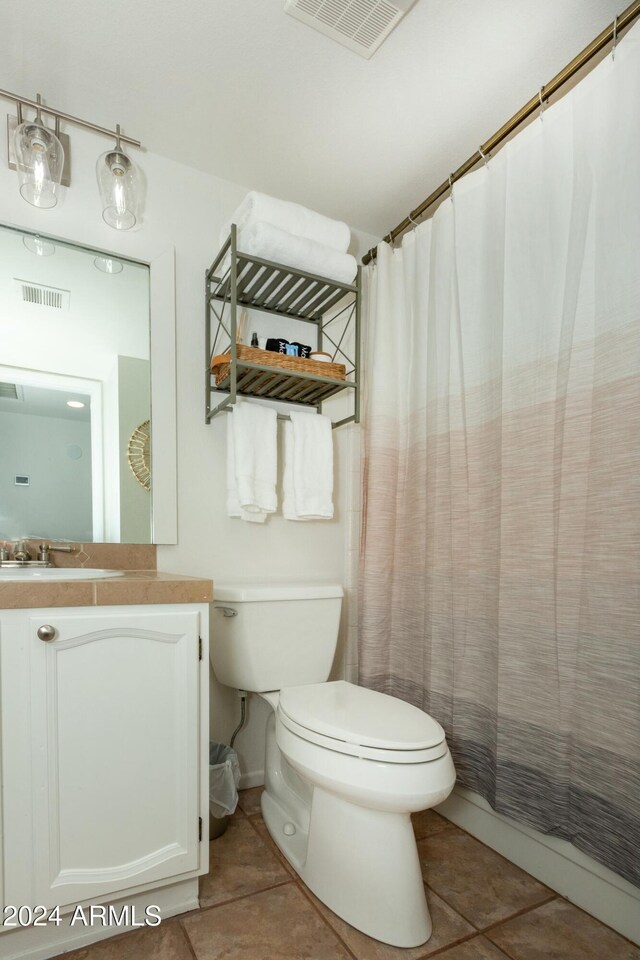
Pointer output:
497, 853
242, 896
558, 896
427, 956
456, 910
554, 894
516, 916
503, 950
490, 926
278, 854
304, 890
633, 943
185, 934
450, 946
477, 931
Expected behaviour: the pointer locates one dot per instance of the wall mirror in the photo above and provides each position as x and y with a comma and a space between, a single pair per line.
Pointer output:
76, 395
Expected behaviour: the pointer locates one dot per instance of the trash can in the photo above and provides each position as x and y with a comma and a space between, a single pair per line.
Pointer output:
224, 777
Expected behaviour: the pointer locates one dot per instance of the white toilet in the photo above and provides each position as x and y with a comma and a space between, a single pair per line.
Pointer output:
344, 766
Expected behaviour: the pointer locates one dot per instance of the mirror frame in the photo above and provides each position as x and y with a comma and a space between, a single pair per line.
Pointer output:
162, 330
164, 439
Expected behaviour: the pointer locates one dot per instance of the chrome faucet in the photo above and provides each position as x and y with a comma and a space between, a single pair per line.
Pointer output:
17, 554
20, 552
45, 549
22, 557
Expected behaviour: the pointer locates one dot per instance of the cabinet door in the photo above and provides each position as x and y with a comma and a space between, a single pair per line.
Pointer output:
114, 761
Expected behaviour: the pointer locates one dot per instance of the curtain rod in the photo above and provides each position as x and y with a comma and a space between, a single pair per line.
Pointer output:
607, 35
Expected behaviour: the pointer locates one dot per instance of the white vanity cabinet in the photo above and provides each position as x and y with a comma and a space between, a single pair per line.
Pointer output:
104, 750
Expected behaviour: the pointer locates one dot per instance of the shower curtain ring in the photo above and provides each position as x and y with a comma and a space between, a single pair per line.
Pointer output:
615, 38
541, 101
485, 156
451, 186
414, 222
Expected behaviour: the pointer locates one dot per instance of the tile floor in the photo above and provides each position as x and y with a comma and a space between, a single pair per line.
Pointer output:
253, 908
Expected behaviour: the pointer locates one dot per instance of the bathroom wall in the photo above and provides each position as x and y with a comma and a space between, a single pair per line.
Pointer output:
185, 209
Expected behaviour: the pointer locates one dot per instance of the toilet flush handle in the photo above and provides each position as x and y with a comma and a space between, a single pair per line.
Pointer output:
228, 611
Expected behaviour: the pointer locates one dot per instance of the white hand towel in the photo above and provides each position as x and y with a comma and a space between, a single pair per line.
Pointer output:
233, 504
308, 468
251, 462
291, 217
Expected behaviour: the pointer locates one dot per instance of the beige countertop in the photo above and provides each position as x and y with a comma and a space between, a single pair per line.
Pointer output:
134, 586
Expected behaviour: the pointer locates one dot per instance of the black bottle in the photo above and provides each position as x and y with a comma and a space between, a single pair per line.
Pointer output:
254, 339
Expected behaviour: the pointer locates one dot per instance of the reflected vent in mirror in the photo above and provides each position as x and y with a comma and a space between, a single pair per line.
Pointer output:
360, 25
11, 391
43, 296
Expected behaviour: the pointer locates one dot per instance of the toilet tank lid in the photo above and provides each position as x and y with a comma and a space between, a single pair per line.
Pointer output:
251, 591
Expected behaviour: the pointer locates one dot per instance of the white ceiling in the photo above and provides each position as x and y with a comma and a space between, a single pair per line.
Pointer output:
40, 402
242, 91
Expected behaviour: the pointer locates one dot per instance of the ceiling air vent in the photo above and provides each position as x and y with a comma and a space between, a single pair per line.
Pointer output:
360, 25
9, 391
43, 296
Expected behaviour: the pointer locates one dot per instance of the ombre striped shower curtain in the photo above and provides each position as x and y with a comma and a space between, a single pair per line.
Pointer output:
500, 571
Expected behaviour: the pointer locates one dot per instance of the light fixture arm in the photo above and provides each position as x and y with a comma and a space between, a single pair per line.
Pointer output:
59, 115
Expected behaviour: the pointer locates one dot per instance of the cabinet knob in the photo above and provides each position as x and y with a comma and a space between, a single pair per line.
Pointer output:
47, 632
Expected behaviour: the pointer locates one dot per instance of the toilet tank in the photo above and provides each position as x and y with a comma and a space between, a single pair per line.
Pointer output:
266, 637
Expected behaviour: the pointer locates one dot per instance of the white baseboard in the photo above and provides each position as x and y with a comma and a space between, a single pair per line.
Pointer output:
556, 863
39, 943
255, 778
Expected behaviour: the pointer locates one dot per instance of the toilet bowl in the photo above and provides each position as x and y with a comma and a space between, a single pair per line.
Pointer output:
344, 766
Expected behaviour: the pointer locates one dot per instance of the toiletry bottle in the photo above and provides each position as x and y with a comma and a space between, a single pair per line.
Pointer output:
254, 339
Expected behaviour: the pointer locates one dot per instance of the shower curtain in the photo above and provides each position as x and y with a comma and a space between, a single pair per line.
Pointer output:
500, 562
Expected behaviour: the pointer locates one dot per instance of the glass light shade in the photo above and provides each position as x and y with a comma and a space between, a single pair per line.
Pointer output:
38, 246
39, 162
118, 182
108, 265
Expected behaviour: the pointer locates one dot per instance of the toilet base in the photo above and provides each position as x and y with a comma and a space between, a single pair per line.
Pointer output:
363, 864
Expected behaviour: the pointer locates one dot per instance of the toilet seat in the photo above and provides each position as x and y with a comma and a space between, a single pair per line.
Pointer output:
347, 719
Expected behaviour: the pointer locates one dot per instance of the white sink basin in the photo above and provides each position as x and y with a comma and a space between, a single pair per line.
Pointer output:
54, 573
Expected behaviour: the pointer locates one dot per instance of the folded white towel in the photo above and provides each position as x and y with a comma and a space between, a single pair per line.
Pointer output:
233, 504
308, 468
271, 243
291, 217
251, 462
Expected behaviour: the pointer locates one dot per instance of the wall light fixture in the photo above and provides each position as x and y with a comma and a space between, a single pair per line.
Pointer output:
40, 155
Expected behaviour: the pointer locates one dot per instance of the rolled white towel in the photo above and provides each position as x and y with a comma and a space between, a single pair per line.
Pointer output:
271, 243
308, 468
291, 217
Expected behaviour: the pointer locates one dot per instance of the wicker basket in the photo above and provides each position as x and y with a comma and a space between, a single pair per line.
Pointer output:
280, 361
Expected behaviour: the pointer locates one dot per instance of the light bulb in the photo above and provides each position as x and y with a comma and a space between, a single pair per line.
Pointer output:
118, 182
118, 195
40, 171
39, 162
